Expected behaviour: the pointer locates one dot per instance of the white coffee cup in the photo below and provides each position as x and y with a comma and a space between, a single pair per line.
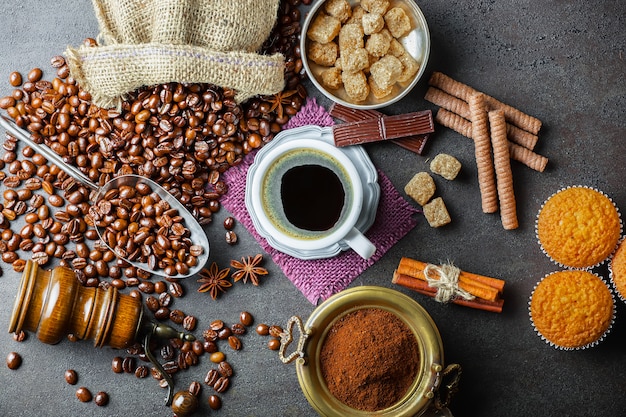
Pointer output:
298, 208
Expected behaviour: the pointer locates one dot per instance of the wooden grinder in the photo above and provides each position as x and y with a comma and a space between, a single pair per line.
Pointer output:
54, 304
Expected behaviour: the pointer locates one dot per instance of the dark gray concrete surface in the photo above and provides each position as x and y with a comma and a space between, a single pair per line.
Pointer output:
561, 61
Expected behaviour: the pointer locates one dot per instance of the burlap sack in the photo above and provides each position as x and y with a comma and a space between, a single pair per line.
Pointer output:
148, 42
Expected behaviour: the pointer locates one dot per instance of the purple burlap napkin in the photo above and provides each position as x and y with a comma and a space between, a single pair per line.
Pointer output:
320, 278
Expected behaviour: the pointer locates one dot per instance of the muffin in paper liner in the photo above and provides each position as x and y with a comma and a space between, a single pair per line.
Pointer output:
617, 270
578, 227
572, 309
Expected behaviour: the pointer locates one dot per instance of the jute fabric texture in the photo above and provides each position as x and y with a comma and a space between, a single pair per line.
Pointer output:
148, 42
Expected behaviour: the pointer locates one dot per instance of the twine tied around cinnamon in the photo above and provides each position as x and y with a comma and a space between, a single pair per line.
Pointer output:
445, 279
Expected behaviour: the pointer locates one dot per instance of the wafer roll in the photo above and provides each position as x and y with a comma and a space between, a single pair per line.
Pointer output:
482, 147
502, 164
456, 105
464, 92
518, 153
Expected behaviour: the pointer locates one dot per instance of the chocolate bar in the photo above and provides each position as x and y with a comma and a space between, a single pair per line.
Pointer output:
414, 141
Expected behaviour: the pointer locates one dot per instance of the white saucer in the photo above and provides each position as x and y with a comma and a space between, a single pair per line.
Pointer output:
367, 172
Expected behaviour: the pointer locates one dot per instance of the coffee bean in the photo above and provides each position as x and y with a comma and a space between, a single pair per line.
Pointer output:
116, 365
275, 331
176, 289
15, 79
101, 399
246, 318
215, 402
195, 388
141, 371
225, 369
129, 364
217, 357
14, 360
83, 394
209, 346
273, 344
229, 223
189, 323
221, 385
177, 316
263, 329
71, 377
234, 342
231, 237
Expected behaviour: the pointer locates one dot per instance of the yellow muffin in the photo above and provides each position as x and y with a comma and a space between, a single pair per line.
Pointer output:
578, 227
572, 309
617, 270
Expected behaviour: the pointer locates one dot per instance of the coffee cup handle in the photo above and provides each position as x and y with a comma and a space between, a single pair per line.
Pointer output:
359, 243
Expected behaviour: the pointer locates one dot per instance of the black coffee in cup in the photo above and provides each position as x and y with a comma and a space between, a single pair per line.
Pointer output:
306, 193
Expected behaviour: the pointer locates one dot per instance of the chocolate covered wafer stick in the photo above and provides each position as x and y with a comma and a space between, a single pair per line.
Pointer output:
415, 143
463, 91
518, 153
383, 128
482, 151
504, 176
456, 105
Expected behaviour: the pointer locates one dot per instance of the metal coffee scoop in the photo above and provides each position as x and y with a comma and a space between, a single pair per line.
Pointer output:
198, 236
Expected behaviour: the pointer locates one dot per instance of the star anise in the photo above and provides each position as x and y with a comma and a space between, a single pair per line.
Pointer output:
278, 100
248, 269
214, 280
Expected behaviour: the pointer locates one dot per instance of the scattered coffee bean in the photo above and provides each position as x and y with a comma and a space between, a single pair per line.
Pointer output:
246, 318
116, 365
211, 377
83, 394
234, 342
101, 399
195, 388
217, 357
215, 402
273, 344
221, 385
263, 329
71, 377
231, 237
14, 360
229, 223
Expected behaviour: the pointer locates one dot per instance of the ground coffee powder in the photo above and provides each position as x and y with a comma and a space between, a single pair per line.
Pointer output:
369, 359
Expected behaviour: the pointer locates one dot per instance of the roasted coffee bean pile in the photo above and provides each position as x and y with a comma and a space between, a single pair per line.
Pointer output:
140, 226
182, 136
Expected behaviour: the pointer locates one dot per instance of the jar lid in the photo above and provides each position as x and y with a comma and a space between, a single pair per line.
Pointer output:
421, 393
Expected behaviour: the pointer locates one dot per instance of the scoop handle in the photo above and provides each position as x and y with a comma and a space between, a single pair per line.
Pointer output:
50, 155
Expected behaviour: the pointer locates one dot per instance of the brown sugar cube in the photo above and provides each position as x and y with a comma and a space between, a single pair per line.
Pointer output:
331, 78
421, 188
323, 53
386, 71
409, 65
397, 22
372, 23
445, 165
436, 213
355, 84
357, 15
354, 60
324, 28
350, 37
338, 8
377, 91
378, 43
375, 6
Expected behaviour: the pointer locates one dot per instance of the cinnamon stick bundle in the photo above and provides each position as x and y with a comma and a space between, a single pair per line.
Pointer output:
486, 291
